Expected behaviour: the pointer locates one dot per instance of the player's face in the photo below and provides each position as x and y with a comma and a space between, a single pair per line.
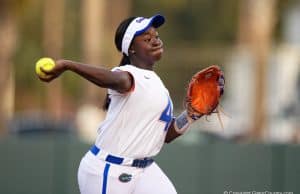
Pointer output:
148, 46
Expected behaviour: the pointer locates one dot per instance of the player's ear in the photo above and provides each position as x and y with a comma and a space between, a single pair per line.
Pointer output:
131, 51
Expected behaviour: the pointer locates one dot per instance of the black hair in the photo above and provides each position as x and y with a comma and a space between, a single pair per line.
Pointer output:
119, 37
118, 43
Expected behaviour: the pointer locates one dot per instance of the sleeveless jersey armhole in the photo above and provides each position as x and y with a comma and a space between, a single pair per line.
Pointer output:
132, 82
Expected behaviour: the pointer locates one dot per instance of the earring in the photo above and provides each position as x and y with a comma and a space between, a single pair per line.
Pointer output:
132, 51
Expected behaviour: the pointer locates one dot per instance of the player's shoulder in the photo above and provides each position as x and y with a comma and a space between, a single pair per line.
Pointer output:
139, 73
124, 68
134, 71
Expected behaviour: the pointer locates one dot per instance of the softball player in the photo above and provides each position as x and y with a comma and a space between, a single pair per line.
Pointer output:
139, 117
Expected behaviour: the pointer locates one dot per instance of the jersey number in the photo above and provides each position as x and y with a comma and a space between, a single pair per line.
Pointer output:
166, 115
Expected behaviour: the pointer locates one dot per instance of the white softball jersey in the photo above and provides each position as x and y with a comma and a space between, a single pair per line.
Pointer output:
134, 130
137, 121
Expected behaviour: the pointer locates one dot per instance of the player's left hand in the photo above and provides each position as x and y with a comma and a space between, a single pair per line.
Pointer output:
203, 95
204, 92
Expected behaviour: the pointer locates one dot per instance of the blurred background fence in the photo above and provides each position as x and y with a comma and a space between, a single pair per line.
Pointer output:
256, 43
35, 163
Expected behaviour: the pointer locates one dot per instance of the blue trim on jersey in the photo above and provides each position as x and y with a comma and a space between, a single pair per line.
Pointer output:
114, 159
95, 150
105, 174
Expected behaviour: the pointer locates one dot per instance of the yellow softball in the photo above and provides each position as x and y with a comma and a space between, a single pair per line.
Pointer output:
46, 63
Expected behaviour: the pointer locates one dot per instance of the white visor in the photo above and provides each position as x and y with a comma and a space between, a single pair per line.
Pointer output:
137, 27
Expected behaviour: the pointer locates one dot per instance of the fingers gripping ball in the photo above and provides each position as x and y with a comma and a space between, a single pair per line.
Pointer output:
45, 63
204, 91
